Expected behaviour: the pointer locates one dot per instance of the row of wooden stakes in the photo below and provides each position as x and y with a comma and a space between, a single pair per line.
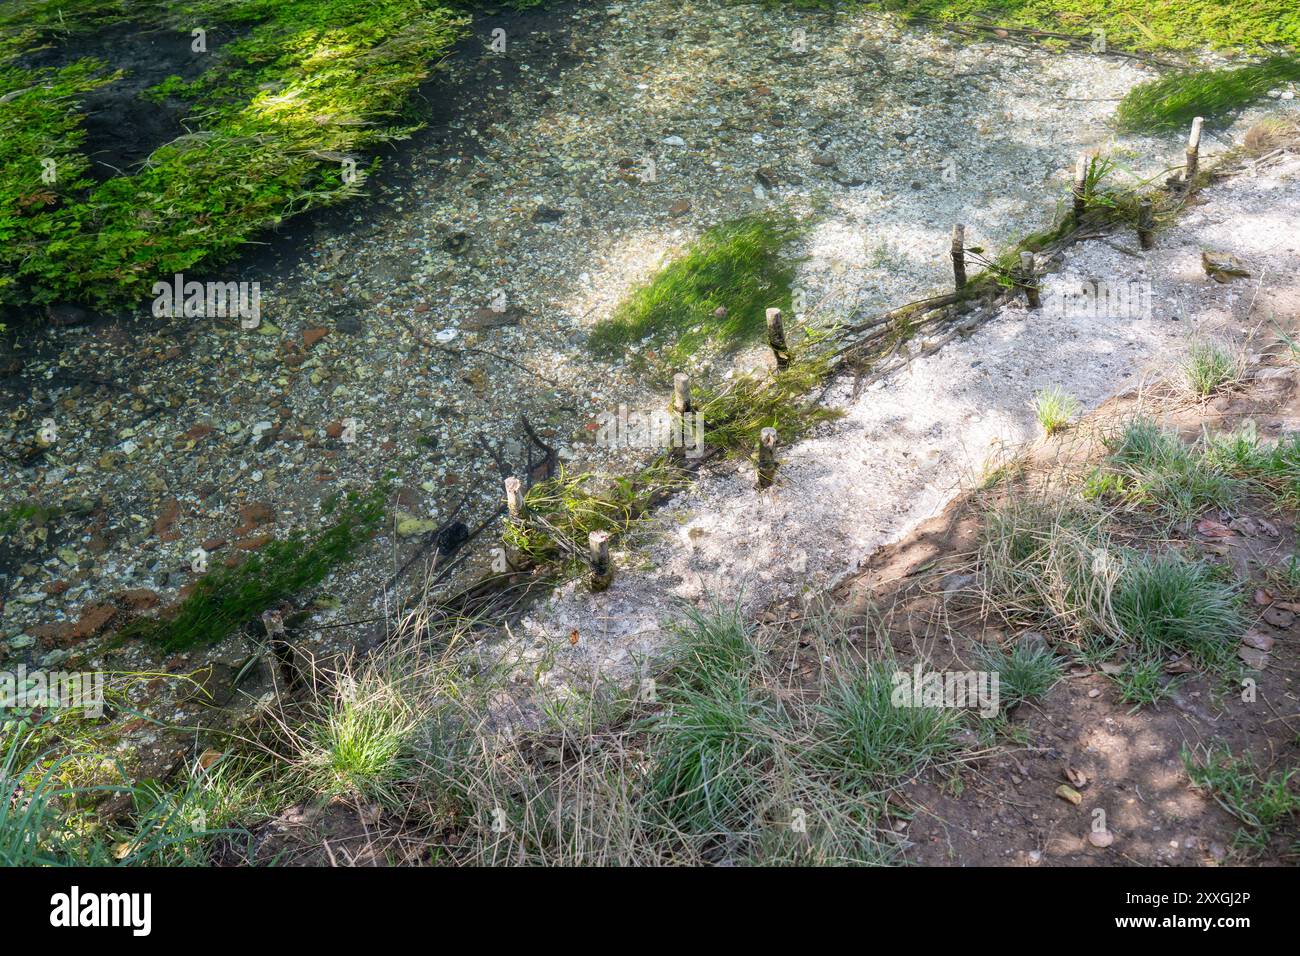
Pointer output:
597, 553
1026, 275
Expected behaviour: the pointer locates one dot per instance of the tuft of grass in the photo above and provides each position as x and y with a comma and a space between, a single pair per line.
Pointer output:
368, 726
1142, 682
1053, 566
1054, 407
709, 749
227, 598
1046, 564
1275, 467
734, 266
1172, 102
867, 744
1026, 672
1152, 465
735, 415
1167, 604
1261, 804
1210, 367
562, 511
711, 743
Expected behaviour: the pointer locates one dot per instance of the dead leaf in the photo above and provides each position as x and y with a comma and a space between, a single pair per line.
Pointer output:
1244, 524
1277, 617
1214, 529
1069, 794
1258, 640
1256, 660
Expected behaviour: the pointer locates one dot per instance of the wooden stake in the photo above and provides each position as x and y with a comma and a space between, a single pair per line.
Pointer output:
681, 406
514, 560
602, 572
776, 338
681, 393
515, 497
1080, 186
1146, 224
1029, 280
959, 256
1193, 151
767, 457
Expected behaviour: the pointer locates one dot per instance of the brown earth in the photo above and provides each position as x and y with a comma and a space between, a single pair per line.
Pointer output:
1003, 808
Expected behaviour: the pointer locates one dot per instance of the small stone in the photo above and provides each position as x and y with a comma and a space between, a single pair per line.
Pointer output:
456, 243
254, 515
546, 214
1223, 266
64, 316
94, 618
141, 599
167, 515
1256, 660
409, 526
489, 318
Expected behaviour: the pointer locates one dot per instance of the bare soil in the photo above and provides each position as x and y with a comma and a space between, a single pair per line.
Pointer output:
1003, 809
